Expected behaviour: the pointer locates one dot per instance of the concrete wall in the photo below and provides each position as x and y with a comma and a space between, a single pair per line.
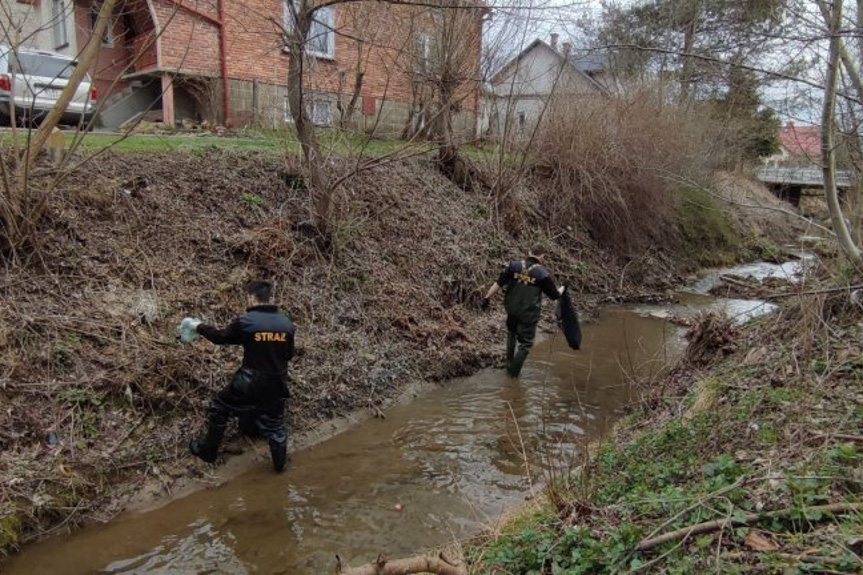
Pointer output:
266, 105
137, 99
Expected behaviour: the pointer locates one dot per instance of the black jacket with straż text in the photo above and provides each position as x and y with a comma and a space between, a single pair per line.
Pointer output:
266, 334
525, 281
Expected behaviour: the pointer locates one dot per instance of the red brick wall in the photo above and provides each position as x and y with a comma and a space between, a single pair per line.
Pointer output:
111, 61
188, 43
254, 45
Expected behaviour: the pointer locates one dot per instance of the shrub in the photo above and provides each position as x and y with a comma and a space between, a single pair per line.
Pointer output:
614, 160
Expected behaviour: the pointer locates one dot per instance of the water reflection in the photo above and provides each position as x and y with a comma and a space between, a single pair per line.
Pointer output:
454, 459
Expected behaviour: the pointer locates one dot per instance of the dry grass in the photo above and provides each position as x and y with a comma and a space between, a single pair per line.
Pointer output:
610, 161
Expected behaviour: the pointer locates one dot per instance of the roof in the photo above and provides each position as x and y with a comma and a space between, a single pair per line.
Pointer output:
801, 140
590, 63
586, 65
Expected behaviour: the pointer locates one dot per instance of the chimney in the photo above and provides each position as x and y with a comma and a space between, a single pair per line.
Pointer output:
567, 49
554, 37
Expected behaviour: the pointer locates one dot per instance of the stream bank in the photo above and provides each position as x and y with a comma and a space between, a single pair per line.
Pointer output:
747, 457
438, 469
435, 470
101, 398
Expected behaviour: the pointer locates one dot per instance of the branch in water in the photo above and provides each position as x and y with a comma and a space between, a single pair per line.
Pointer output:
420, 564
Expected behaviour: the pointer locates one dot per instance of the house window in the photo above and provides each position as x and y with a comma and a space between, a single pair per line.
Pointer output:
320, 110
108, 35
322, 35
424, 53
58, 24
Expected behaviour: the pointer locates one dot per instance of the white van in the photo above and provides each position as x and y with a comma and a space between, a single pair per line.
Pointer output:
33, 79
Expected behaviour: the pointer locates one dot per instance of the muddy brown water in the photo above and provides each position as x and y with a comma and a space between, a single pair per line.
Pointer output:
453, 459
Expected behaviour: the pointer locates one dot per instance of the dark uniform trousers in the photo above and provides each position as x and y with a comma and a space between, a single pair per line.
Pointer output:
520, 336
525, 282
257, 392
257, 399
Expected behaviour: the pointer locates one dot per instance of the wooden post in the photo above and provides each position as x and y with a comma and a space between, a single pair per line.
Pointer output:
56, 146
168, 100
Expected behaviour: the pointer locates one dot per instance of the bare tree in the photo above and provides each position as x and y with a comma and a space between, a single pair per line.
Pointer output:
454, 73
21, 210
457, 32
828, 145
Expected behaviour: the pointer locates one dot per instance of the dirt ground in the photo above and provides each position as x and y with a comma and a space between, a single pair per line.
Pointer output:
99, 397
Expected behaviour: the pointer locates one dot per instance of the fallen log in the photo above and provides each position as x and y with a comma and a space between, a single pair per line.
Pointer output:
439, 565
749, 518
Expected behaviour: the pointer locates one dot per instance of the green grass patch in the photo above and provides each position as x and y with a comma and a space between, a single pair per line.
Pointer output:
332, 141
10, 526
704, 229
710, 465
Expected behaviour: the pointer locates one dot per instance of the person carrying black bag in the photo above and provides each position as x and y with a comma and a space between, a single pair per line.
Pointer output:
524, 283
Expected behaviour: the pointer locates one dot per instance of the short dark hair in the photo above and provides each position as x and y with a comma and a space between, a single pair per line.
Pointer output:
538, 250
261, 289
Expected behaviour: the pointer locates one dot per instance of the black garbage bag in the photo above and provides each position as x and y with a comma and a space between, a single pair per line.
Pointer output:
567, 316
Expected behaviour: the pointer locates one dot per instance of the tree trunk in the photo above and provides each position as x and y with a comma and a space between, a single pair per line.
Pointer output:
359, 76
828, 154
318, 181
85, 61
21, 210
686, 66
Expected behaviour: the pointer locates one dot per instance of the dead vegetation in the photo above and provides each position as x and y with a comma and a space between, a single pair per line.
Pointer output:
612, 162
742, 462
711, 337
96, 390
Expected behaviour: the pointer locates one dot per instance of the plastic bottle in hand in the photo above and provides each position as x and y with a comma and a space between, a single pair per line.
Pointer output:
188, 328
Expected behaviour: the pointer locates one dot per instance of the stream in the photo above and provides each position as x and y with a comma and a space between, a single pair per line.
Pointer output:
435, 470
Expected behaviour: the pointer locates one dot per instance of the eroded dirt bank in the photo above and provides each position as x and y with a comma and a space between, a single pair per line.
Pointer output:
98, 395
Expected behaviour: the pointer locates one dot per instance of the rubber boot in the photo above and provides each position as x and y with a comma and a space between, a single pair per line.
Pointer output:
197, 449
517, 363
279, 453
208, 448
510, 350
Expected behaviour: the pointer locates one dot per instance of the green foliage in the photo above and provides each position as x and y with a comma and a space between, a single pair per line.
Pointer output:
704, 229
845, 453
252, 200
757, 128
10, 525
701, 27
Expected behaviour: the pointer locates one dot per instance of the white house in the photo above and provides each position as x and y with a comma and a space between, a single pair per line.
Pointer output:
42, 25
521, 89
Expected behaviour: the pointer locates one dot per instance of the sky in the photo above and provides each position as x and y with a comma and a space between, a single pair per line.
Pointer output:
519, 22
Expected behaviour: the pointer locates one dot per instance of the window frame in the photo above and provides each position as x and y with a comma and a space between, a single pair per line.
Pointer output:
315, 105
327, 23
108, 37
59, 27
425, 52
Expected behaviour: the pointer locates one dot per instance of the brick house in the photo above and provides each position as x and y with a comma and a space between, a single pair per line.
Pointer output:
226, 60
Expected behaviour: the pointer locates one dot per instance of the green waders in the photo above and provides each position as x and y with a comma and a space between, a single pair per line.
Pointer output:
523, 303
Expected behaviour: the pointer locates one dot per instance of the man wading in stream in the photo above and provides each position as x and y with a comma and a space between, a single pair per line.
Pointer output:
257, 392
524, 282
